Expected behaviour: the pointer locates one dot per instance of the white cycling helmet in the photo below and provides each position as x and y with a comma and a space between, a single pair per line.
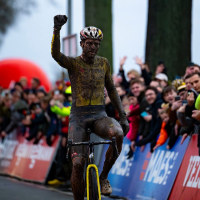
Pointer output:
91, 32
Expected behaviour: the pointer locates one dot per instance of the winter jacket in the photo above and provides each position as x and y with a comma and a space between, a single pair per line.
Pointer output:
134, 122
144, 126
125, 83
155, 123
146, 76
16, 115
64, 112
164, 133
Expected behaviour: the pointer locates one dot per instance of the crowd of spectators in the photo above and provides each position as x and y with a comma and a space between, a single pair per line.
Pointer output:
36, 114
159, 110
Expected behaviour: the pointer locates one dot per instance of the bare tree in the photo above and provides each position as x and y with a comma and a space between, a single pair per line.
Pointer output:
9, 10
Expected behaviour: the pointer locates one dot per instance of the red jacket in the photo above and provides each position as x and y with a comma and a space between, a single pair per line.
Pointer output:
134, 122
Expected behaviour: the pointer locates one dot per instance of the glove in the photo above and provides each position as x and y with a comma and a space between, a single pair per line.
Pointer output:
124, 124
59, 21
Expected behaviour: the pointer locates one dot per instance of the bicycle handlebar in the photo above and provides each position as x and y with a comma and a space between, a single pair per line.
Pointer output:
90, 143
113, 143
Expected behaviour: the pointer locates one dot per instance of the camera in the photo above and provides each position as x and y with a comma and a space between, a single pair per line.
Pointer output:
177, 98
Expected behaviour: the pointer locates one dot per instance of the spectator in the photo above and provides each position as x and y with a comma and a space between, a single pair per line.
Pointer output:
161, 68
187, 82
117, 79
182, 92
121, 92
17, 108
37, 122
195, 81
190, 69
169, 93
155, 83
137, 88
54, 123
35, 84
63, 113
18, 86
132, 74
40, 93
146, 75
5, 112
134, 119
68, 96
165, 127
162, 79
193, 94
25, 95
24, 82
32, 97
197, 68
180, 87
154, 100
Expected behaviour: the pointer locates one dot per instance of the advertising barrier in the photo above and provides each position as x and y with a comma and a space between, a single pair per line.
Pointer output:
146, 176
154, 175
120, 173
187, 184
22, 159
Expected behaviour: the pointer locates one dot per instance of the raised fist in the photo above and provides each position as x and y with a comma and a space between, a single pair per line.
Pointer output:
59, 21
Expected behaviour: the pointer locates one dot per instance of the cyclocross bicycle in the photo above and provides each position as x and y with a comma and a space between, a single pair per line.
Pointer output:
92, 176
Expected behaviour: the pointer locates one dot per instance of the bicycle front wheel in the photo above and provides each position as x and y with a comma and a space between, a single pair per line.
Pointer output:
93, 185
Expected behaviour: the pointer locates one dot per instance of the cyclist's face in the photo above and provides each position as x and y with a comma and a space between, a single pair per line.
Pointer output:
90, 47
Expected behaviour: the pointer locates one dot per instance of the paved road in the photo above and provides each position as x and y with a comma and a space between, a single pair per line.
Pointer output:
13, 189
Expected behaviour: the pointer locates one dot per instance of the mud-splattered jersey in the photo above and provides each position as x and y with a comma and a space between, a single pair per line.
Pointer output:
87, 80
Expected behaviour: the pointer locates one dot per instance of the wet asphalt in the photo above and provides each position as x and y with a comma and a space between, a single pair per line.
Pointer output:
14, 189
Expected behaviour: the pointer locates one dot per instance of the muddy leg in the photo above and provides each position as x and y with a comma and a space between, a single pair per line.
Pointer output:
108, 128
77, 179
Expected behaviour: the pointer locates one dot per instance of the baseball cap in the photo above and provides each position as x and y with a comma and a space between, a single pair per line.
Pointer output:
162, 77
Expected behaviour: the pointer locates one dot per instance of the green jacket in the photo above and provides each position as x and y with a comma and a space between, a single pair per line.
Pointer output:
63, 112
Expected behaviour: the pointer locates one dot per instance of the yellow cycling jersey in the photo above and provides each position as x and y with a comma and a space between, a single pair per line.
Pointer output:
87, 80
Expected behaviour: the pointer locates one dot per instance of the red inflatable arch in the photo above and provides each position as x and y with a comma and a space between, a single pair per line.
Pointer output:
13, 69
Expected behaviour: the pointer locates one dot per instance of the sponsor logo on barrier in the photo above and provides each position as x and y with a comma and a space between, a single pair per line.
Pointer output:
122, 165
192, 177
37, 152
157, 169
24, 150
7, 149
23, 159
33, 152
